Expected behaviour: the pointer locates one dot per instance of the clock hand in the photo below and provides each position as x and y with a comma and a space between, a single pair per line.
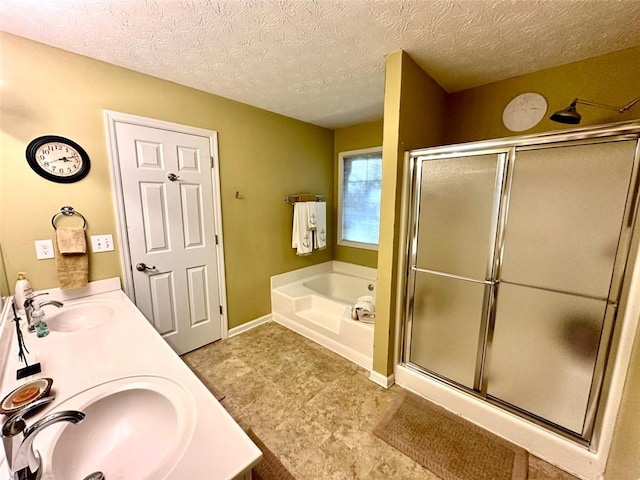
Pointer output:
65, 159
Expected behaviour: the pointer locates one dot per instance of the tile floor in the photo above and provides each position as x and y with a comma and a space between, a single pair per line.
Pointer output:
312, 408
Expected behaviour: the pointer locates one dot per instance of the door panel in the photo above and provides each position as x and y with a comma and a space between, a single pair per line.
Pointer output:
565, 216
198, 300
456, 222
544, 352
154, 215
168, 193
192, 221
446, 326
149, 155
163, 301
188, 159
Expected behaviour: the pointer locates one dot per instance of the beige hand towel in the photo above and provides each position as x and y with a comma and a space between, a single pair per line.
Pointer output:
73, 269
71, 240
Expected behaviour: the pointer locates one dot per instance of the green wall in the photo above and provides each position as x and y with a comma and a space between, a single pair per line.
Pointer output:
414, 107
613, 79
264, 156
356, 137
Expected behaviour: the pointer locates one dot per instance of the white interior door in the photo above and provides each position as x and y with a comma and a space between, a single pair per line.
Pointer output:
168, 199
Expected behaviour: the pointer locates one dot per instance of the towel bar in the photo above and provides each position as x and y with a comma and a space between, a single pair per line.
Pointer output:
67, 210
303, 197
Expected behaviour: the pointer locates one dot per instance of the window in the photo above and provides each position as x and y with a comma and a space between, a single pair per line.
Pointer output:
360, 175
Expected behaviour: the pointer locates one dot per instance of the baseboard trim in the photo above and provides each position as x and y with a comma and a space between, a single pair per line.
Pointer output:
381, 380
248, 326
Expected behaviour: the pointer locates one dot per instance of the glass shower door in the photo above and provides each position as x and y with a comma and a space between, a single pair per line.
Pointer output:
452, 262
517, 257
557, 293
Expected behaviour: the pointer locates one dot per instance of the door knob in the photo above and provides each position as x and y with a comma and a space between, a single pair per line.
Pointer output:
141, 267
172, 177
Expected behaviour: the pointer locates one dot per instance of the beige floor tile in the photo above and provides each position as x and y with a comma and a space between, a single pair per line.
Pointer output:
315, 410
334, 460
300, 388
295, 441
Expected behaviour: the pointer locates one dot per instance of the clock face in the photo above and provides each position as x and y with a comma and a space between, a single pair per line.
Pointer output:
57, 159
524, 112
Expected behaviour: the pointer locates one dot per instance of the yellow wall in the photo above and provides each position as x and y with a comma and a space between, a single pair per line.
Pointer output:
613, 79
263, 155
413, 110
356, 137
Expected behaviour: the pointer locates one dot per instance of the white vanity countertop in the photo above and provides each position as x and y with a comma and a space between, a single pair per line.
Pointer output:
128, 345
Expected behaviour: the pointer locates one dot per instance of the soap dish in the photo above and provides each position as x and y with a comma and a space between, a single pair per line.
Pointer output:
25, 394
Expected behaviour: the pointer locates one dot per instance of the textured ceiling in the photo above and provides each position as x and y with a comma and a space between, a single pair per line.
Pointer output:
322, 61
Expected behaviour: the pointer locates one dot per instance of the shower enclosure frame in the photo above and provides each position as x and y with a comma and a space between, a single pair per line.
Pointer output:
505, 149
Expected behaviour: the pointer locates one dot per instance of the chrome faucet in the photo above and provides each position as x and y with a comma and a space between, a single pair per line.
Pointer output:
17, 439
29, 307
55, 303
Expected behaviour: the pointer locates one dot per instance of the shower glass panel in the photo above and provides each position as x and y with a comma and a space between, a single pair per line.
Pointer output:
544, 353
457, 214
516, 262
565, 215
456, 222
446, 326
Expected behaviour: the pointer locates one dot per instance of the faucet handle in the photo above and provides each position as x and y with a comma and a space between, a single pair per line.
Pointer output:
29, 300
15, 424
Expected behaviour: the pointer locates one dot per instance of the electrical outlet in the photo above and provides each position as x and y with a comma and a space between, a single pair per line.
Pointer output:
101, 243
44, 249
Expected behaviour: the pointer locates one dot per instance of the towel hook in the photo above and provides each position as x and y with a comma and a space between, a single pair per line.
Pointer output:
69, 211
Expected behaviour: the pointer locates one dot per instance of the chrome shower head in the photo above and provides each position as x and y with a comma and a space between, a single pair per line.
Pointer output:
568, 115
571, 116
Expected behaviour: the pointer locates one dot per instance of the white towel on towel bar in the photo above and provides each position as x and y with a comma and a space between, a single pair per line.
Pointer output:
312, 213
320, 234
301, 238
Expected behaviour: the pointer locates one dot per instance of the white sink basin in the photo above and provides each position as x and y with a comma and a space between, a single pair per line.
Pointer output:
135, 427
80, 315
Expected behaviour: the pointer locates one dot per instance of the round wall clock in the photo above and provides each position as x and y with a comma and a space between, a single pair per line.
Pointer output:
58, 159
524, 111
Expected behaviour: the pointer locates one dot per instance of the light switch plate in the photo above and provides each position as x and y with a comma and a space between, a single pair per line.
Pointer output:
101, 243
44, 249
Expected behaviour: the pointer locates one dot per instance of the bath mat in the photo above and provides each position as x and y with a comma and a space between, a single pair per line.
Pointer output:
448, 445
269, 468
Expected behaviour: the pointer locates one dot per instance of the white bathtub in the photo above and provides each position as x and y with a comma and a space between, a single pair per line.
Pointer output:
341, 286
316, 303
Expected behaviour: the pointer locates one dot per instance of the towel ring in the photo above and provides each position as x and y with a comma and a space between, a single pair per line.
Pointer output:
68, 211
